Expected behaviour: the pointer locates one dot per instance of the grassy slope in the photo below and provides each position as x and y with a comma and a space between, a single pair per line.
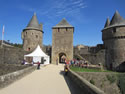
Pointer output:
77, 69
117, 77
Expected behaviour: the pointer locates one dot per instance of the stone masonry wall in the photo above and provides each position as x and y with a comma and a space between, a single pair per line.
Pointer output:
31, 38
114, 41
84, 84
93, 58
11, 77
11, 55
106, 81
62, 42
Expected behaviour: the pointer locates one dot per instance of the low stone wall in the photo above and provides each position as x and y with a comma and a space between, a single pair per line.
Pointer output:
87, 87
11, 77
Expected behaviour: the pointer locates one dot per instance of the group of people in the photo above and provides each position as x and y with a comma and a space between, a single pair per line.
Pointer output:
77, 63
83, 64
38, 63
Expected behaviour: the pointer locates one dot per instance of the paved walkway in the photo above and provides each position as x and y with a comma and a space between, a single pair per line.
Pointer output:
47, 80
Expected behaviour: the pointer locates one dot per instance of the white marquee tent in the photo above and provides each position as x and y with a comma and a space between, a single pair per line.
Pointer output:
37, 54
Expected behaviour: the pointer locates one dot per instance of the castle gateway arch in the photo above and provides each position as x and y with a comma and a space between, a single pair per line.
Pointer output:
62, 42
62, 57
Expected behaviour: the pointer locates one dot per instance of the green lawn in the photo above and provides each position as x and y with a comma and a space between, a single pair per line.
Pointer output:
77, 69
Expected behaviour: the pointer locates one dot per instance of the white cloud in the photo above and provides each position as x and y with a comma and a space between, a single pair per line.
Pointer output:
58, 8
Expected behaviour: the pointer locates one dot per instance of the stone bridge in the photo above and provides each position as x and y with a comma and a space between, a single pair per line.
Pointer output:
49, 80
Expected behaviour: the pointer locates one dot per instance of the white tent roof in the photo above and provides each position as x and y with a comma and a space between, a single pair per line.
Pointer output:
37, 52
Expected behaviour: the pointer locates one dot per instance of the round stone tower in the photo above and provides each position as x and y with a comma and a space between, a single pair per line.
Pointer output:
32, 35
62, 42
113, 36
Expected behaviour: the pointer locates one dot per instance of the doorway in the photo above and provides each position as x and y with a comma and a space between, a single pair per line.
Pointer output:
62, 57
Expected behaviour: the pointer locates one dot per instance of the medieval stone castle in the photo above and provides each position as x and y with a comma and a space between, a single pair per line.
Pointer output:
32, 36
111, 53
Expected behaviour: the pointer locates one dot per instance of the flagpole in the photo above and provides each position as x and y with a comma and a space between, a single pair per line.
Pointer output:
2, 36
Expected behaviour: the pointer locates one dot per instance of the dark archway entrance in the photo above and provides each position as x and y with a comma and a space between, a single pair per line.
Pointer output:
121, 67
62, 57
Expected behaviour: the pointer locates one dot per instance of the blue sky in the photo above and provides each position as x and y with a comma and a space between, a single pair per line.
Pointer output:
87, 16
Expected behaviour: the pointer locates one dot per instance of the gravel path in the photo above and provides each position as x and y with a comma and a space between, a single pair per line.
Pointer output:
47, 80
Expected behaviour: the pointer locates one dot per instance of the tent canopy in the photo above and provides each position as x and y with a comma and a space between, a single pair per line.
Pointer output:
37, 53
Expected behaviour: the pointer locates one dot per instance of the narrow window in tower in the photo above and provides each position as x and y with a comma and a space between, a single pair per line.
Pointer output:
114, 30
28, 49
95, 55
66, 29
58, 29
26, 32
36, 36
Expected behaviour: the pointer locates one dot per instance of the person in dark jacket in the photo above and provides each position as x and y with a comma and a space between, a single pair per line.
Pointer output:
38, 67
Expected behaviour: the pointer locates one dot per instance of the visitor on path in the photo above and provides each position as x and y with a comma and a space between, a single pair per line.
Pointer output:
65, 61
57, 61
32, 63
66, 69
38, 67
23, 62
71, 63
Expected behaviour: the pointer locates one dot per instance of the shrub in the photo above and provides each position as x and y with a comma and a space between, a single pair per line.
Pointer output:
121, 83
92, 81
111, 78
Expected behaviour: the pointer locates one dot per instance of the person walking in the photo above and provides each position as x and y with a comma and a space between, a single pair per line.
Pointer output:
57, 61
23, 62
38, 67
66, 69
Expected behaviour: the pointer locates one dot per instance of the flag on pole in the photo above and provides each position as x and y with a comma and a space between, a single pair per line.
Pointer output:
3, 30
2, 36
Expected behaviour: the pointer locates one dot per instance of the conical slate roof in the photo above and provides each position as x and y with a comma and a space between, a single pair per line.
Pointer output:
107, 23
63, 23
33, 23
117, 19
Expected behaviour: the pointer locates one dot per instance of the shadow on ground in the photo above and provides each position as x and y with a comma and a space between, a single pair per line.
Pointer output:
74, 88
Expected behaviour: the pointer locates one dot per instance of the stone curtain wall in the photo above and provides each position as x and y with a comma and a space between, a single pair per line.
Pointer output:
11, 77
93, 58
1, 56
11, 55
87, 87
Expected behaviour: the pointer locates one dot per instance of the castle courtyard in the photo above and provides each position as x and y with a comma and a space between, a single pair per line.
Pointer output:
47, 80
